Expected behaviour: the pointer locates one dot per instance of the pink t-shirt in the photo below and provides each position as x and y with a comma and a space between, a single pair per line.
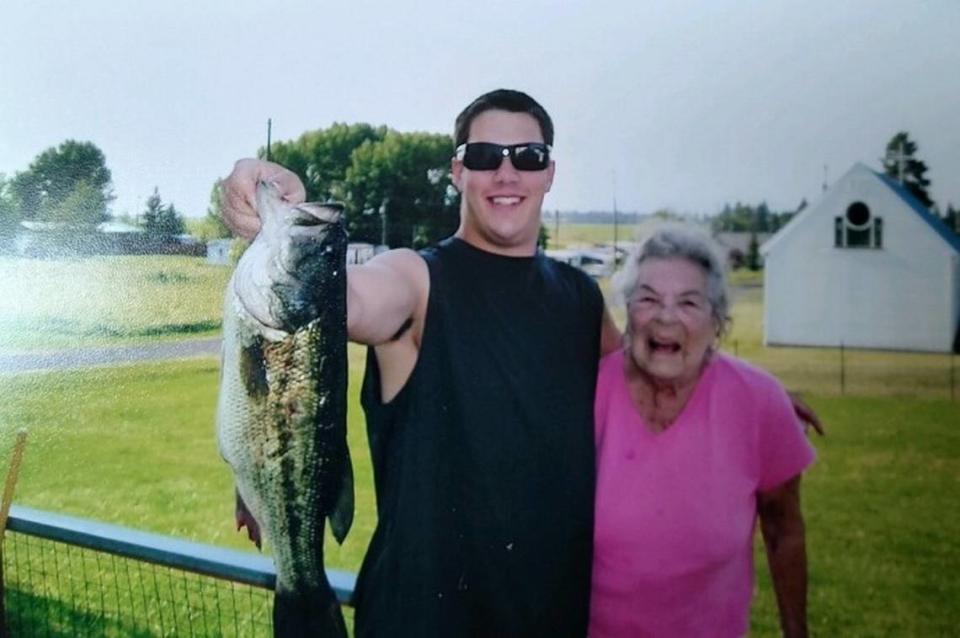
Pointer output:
675, 511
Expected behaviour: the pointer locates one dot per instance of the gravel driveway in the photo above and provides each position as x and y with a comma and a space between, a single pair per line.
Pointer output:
112, 355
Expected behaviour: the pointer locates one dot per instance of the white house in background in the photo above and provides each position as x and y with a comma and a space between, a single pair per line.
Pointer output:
869, 267
218, 251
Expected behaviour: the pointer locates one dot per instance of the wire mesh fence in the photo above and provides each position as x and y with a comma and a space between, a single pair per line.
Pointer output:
69, 577
857, 372
55, 590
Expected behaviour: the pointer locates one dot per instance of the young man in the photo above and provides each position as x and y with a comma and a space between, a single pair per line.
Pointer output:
479, 399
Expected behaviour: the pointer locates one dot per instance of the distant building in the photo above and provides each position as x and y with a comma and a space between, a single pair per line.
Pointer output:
868, 266
218, 251
596, 262
358, 253
57, 240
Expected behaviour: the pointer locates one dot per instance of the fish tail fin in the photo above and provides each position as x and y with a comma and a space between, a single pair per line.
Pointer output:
315, 612
341, 517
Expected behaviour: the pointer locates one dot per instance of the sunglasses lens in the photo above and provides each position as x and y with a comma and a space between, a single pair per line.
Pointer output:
531, 157
482, 156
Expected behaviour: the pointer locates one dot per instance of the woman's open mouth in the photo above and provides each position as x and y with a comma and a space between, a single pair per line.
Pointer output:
660, 346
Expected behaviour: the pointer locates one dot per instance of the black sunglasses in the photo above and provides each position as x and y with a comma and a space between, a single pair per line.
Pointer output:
485, 156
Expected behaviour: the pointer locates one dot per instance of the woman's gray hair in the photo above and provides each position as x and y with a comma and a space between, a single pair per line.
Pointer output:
685, 242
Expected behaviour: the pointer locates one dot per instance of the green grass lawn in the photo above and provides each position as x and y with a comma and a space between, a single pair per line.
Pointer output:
135, 446
571, 234
80, 302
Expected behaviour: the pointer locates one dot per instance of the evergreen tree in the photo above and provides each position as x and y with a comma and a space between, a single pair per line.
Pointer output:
753, 253
952, 218
170, 222
152, 213
900, 163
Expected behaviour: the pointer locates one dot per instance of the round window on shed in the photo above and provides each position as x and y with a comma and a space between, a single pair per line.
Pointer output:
858, 214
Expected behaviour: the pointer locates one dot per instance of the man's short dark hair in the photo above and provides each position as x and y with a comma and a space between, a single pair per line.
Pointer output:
502, 100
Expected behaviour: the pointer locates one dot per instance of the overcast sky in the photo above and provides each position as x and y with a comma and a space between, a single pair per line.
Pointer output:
679, 104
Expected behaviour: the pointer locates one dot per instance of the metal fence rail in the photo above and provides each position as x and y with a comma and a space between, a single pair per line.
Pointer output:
66, 576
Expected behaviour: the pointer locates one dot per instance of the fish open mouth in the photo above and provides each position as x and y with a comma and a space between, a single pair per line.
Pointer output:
314, 214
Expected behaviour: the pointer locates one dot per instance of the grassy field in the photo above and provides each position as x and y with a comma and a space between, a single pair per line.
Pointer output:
574, 234
135, 446
81, 302
880, 502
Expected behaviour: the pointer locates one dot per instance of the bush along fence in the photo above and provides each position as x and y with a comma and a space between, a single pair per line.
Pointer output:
66, 576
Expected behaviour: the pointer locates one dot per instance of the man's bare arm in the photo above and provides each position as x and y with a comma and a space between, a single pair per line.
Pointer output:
385, 296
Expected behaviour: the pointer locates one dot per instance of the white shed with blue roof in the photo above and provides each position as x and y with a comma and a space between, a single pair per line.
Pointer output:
867, 267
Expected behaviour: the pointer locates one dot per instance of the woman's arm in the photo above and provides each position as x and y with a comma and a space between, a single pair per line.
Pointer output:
781, 523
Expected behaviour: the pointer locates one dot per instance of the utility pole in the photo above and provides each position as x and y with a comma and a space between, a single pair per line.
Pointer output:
383, 222
269, 126
615, 224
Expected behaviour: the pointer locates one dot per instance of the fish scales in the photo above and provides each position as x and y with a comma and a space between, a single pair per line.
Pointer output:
282, 406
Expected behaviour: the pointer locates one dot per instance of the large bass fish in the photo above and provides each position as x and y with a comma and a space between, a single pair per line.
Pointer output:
281, 416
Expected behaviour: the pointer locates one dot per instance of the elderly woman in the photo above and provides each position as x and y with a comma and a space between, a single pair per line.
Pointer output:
692, 445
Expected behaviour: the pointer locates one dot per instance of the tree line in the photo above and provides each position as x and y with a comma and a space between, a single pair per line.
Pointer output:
69, 188
395, 187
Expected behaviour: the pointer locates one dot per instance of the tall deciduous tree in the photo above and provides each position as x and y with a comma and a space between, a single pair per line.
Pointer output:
398, 190
321, 158
395, 186
900, 163
85, 205
74, 171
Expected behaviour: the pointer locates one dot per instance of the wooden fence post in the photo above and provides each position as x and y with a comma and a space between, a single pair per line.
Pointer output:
843, 371
12, 474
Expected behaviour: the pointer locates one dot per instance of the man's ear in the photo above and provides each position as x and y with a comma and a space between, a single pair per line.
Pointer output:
456, 174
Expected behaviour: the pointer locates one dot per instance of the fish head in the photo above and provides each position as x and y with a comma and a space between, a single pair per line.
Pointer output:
294, 263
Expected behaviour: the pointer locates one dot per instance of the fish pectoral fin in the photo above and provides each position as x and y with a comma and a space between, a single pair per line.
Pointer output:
341, 517
253, 369
246, 519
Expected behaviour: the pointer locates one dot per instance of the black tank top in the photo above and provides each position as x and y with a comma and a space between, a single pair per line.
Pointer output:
484, 461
